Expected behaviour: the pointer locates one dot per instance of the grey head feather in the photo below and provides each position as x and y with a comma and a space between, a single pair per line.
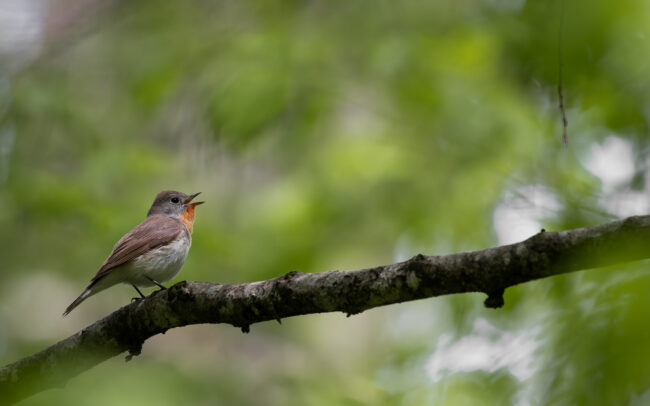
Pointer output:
170, 202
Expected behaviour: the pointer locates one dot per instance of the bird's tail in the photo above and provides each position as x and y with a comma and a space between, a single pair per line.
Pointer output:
78, 301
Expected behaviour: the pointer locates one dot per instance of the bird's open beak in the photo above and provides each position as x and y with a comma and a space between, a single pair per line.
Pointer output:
189, 199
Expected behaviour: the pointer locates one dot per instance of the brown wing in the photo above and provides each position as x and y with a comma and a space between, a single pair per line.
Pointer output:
153, 232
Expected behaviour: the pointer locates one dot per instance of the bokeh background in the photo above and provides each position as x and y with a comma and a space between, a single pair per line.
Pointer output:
329, 135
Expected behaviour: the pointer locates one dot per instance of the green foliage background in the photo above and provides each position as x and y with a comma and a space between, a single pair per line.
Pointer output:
329, 135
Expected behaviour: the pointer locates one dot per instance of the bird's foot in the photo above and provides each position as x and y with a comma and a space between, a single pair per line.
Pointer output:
155, 282
139, 293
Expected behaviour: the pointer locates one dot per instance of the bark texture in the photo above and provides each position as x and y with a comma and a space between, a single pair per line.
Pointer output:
490, 271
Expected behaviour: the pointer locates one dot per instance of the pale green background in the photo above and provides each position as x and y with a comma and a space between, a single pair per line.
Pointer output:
334, 135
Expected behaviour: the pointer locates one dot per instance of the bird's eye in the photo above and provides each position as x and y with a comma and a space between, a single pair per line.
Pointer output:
176, 200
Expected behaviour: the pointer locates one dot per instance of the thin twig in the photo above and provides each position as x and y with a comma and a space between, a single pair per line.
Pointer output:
560, 68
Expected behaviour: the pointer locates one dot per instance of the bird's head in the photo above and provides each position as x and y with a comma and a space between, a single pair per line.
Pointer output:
172, 203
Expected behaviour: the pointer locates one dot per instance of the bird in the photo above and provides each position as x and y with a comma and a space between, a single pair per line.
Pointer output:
153, 252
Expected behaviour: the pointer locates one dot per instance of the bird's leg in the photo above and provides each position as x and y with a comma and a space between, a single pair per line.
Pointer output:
160, 285
140, 293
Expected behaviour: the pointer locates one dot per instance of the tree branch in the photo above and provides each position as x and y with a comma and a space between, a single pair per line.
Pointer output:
490, 271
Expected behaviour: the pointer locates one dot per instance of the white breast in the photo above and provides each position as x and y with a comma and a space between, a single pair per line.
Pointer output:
160, 264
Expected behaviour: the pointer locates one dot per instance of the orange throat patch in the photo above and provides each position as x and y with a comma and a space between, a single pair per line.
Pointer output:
188, 218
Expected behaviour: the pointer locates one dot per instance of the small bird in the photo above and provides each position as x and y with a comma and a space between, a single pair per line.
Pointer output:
153, 252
